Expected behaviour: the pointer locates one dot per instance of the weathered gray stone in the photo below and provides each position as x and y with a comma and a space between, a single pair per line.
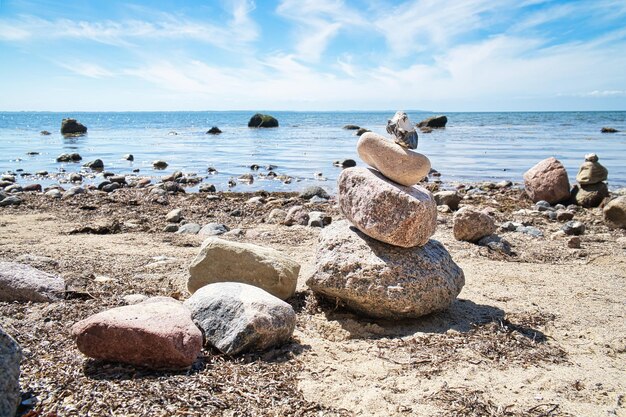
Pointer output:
236, 317
312, 191
174, 216
10, 201
448, 198
392, 160
381, 280
155, 333
95, 164
573, 228
221, 260
471, 225
10, 357
213, 229
387, 211
189, 229
296, 215
276, 216
19, 282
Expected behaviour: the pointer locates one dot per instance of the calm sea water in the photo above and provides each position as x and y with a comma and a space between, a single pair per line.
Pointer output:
473, 146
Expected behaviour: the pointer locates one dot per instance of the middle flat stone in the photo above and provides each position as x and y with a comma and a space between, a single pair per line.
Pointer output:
395, 162
387, 211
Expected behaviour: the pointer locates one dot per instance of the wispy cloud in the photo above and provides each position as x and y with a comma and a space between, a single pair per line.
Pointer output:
87, 69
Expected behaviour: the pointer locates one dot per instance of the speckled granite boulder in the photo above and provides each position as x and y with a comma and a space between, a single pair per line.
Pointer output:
381, 280
547, 181
387, 211
471, 225
157, 333
237, 317
19, 282
10, 357
222, 260
397, 163
615, 212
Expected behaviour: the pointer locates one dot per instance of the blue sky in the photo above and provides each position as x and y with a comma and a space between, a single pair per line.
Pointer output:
465, 55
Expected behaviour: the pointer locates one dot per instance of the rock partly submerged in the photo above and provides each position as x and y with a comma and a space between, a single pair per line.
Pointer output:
263, 120
72, 127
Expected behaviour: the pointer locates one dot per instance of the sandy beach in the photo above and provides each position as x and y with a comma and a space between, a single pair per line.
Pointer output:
540, 332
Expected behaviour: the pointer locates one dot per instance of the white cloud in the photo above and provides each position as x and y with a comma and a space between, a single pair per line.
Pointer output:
87, 69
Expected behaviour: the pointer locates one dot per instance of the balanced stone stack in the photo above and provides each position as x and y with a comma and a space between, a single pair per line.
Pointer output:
591, 189
381, 262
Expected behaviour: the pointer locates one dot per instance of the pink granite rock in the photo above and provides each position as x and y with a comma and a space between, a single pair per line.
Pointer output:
156, 333
387, 211
547, 181
472, 225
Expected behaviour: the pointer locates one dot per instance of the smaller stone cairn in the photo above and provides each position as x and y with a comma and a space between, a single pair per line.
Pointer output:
384, 263
591, 189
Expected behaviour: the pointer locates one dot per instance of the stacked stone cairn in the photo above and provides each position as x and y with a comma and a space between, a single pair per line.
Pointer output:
591, 189
381, 262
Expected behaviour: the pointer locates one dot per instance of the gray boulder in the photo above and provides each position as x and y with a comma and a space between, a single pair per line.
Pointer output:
213, 229
381, 280
10, 357
221, 260
10, 201
189, 229
236, 317
448, 198
19, 282
174, 216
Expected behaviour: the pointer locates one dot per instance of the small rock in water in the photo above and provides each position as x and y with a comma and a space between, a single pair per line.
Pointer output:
436, 122
402, 130
76, 177
95, 164
346, 163
351, 127
262, 120
573, 228
72, 127
609, 130
206, 188
211, 170
247, 178
362, 131
159, 164
236, 317
214, 131
128, 157
45, 133
69, 157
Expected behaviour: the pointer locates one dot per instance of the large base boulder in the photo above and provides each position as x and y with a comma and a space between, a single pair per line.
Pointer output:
590, 195
472, 225
397, 163
381, 280
10, 357
547, 181
19, 282
615, 212
237, 317
157, 333
221, 260
387, 211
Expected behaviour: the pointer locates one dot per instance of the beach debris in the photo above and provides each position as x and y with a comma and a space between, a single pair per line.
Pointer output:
69, 157
263, 120
591, 189
351, 127
96, 164
345, 163
72, 127
128, 157
402, 131
386, 211
361, 131
221, 260
471, 225
312, 191
214, 131
435, 122
20, 282
615, 212
548, 181
608, 130
448, 198
381, 280
129, 334
395, 162
237, 318
159, 164
10, 358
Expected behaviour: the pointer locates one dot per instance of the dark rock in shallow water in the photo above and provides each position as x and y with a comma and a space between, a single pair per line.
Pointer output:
128, 157
69, 157
434, 122
72, 127
346, 163
609, 130
159, 164
45, 133
361, 131
352, 127
95, 164
262, 120
214, 131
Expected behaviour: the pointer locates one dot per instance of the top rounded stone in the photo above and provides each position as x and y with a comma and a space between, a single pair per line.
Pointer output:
399, 164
